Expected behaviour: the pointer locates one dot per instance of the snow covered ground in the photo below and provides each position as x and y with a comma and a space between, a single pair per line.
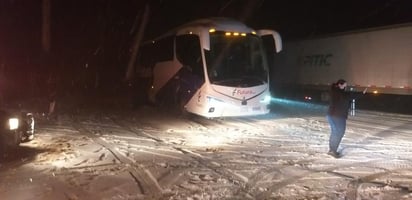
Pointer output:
155, 154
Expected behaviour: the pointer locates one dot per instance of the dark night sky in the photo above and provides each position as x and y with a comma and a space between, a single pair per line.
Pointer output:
79, 21
80, 27
89, 23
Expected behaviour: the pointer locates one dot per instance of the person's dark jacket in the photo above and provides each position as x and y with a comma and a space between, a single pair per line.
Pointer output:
339, 102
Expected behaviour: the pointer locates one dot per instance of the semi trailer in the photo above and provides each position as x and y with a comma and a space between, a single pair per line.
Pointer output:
377, 58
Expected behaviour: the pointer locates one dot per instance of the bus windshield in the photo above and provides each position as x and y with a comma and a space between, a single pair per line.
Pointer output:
237, 61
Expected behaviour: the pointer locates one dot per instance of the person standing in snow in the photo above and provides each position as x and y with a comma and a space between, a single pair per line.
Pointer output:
337, 114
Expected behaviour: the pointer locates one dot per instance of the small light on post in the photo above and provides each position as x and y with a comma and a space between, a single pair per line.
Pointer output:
352, 108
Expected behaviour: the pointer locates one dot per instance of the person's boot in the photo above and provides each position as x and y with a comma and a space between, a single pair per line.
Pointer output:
335, 154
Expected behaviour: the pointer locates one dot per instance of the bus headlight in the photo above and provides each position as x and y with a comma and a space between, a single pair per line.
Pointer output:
266, 99
13, 123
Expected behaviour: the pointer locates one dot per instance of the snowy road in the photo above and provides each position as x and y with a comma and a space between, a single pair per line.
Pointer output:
153, 154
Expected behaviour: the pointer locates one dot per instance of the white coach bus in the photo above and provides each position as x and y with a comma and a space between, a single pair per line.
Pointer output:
214, 67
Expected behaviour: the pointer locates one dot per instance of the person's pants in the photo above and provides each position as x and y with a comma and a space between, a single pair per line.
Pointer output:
338, 127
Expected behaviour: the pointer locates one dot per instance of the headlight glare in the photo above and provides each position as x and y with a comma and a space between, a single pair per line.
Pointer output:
266, 99
13, 123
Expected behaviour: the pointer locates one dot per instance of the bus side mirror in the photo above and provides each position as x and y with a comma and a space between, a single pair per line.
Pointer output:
271, 40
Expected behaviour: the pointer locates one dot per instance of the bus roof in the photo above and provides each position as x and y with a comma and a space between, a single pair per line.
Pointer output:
218, 23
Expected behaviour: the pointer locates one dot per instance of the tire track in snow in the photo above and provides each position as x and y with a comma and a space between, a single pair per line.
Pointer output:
218, 168
142, 176
354, 181
369, 178
247, 182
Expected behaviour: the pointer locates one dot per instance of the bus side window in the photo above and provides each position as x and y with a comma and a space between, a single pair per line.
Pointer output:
188, 52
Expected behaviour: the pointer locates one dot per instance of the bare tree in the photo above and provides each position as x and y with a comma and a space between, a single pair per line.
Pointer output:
137, 40
46, 26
